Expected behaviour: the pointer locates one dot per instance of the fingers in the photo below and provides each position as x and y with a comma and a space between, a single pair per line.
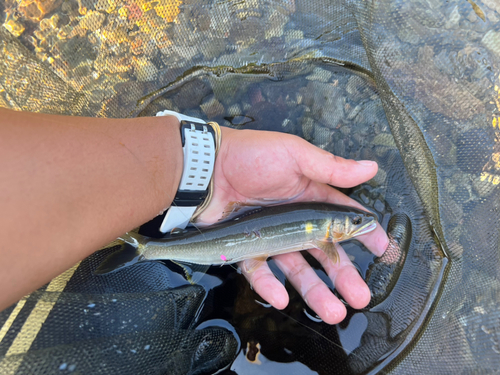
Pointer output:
376, 241
321, 166
312, 289
266, 285
345, 277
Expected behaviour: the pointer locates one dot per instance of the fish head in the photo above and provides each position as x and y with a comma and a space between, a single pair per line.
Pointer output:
351, 224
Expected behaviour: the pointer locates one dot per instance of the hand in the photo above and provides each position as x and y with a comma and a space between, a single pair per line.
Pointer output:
268, 165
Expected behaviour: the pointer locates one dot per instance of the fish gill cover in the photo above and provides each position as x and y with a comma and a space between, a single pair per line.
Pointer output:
413, 85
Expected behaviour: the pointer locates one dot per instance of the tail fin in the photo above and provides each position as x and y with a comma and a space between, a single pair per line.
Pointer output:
130, 253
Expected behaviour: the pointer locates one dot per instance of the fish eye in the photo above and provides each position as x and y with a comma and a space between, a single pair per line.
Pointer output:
356, 220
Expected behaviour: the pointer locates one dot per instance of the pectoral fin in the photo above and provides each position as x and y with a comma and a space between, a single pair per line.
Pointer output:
251, 265
329, 248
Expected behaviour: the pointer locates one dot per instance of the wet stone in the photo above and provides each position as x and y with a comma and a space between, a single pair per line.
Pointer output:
321, 135
276, 24
214, 49
451, 210
320, 75
92, 21
492, 41
234, 110
308, 128
328, 103
212, 107
483, 188
384, 139
192, 93
453, 19
292, 35
364, 198
340, 148
354, 112
379, 179
145, 70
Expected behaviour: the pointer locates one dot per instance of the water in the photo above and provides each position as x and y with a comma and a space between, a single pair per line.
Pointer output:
340, 111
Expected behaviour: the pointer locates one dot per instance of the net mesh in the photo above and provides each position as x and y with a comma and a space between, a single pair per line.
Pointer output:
413, 85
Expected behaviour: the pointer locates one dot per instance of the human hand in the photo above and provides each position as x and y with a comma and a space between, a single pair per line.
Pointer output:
268, 165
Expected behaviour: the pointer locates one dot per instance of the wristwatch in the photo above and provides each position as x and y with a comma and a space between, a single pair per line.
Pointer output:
200, 141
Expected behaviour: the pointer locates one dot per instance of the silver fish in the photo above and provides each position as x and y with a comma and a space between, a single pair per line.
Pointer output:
259, 234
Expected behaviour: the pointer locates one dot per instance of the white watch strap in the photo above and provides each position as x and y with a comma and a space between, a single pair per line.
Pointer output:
199, 159
180, 116
177, 217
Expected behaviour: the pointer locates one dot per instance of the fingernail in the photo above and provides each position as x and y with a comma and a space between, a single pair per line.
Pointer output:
366, 163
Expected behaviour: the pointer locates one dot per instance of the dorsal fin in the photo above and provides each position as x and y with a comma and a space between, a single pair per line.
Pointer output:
238, 210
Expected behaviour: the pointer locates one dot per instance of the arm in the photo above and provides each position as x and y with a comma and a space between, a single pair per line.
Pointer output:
77, 183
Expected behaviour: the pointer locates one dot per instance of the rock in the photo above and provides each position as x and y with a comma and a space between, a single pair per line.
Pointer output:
292, 35
212, 107
266, 115
191, 94
384, 139
36, 10
453, 19
379, 179
92, 21
327, 104
484, 186
492, 41
16, 28
308, 128
320, 75
321, 135
234, 110
145, 70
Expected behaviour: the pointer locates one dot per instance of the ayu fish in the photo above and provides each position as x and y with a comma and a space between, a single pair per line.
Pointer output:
255, 235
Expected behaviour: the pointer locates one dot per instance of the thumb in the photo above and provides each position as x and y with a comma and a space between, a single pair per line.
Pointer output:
322, 166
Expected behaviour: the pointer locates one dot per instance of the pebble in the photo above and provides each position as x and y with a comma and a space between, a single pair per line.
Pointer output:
319, 75
211, 107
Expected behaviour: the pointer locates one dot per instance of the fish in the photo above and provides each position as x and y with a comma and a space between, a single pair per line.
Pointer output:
253, 236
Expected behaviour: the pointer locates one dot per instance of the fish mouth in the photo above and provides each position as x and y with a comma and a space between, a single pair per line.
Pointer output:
368, 227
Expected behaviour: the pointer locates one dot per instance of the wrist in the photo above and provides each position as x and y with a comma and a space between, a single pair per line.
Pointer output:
199, 142
166, 166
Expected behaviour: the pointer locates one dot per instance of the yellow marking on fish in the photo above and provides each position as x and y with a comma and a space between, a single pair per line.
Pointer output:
328, 234
309, 227
33, 324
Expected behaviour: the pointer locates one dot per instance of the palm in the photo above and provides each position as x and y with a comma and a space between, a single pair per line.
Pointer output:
255, 169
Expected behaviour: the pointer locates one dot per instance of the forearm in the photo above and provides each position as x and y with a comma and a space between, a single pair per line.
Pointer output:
69, 185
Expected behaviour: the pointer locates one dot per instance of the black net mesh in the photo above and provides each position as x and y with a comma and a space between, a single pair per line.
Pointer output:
410, 84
